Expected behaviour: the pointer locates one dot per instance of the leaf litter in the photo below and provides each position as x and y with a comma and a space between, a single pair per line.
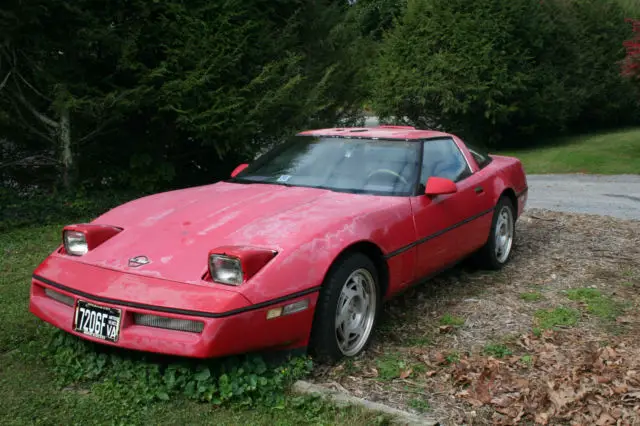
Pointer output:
585, 373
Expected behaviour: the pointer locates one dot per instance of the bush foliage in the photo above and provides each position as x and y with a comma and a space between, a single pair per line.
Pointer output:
156, 95
139, 380
166, 93
506, 71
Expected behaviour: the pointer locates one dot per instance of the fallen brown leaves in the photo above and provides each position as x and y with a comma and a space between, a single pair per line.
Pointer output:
571, 383
586, 374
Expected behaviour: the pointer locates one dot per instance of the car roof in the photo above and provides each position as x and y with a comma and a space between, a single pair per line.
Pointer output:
379, 132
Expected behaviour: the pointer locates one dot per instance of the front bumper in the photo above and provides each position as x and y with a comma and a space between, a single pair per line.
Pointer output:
236, 331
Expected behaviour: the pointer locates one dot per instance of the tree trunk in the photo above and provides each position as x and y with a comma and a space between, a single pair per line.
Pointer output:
64, 139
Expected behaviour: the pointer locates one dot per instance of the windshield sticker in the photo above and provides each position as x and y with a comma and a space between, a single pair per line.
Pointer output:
284, 178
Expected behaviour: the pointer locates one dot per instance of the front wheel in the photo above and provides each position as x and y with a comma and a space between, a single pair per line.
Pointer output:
347, 309
497, 251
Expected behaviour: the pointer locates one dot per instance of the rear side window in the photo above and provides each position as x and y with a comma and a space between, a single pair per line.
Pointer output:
480, 155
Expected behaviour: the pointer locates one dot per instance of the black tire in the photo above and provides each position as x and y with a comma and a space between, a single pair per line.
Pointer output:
487, 257
324, 344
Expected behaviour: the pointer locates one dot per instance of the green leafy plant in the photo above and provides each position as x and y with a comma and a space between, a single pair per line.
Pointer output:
244, 380
390, 366
497, 350
452, 358
527, 360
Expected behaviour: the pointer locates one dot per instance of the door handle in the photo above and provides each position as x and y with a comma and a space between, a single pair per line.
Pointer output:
479, 190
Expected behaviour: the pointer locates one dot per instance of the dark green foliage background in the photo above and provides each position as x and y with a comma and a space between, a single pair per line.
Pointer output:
507, 72
166, 93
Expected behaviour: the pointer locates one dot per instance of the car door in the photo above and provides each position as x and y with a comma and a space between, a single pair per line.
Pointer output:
481, 204
444, 224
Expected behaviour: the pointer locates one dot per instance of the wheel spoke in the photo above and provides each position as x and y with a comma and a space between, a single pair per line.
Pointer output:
503, 234
355, 312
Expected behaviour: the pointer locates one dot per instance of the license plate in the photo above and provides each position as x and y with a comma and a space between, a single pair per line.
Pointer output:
97, 321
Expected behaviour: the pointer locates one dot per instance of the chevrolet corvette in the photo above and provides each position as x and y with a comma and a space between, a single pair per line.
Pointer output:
297, 250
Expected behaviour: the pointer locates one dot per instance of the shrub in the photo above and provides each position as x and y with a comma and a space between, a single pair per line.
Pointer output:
502, 71
140, 380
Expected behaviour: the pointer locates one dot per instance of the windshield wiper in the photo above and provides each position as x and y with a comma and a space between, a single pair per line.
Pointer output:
237, 180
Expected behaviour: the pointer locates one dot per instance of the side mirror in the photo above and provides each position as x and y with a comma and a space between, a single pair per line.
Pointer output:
440, 186
238, 169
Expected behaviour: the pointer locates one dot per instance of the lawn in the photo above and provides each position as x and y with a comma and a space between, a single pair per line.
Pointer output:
37, 388
616, 152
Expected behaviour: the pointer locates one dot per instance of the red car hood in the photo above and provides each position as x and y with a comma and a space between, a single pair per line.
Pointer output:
175, 230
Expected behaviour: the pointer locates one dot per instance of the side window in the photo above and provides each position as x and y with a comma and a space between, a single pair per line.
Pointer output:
442, 158
480, 155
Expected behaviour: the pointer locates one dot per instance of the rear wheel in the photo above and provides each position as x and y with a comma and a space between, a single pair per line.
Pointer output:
497, 251
347, 309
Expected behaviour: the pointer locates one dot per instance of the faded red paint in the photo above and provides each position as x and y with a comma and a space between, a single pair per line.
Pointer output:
308, 228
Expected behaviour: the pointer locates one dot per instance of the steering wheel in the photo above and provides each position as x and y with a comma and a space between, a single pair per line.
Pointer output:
388, 172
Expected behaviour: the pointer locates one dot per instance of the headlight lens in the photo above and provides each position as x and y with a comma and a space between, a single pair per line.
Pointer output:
225, 269
75, 243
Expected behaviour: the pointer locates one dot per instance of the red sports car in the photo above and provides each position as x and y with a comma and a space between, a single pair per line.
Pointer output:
299, 249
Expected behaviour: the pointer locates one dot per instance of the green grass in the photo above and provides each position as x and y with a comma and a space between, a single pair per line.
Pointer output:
560, 316
420, 405
597, 304
37, 389
531, 297
420, 341
527, 360
615, 152
497, 350
448, 319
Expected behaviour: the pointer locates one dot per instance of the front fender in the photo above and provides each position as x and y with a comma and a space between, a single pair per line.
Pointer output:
303, 266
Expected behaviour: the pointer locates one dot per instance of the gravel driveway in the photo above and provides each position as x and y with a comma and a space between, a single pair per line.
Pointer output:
617, 196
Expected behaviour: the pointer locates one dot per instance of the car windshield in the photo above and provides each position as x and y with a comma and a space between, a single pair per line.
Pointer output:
368, 166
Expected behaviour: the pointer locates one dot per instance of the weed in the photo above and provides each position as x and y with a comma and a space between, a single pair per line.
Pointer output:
453, 358
448, 319
537, 331
419, 404
420, 341
497, 350
560, 316
531, 297
244, 380
527, 360
597, 304
418, 368
390, 367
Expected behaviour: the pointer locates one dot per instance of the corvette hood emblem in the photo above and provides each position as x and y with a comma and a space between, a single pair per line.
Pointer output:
134, 262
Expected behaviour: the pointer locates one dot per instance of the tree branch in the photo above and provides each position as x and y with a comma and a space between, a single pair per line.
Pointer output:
40, 116
25, 124
24, 80
4, 81
98, 130
45, 160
